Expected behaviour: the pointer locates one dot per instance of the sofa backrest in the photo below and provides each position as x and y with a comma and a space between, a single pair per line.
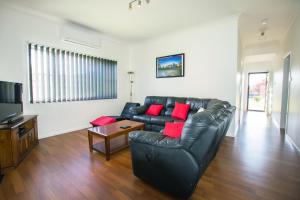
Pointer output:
126, 110
169, 103
203, 132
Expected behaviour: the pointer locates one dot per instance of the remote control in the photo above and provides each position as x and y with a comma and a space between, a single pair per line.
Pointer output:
125, 127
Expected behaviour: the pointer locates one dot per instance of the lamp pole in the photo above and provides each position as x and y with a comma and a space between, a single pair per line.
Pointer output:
131, 73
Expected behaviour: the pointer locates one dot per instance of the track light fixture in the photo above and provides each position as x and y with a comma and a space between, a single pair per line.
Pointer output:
137, 2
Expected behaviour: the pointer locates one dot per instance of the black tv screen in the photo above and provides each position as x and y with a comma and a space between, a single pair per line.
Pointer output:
10, 100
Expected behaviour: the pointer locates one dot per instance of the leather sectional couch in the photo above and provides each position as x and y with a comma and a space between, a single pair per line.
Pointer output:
157, 123
176, 165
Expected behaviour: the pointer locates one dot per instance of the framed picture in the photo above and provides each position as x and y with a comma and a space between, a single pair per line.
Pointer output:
170, 66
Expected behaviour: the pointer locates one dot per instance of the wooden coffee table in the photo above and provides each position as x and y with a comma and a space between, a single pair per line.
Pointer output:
108, 132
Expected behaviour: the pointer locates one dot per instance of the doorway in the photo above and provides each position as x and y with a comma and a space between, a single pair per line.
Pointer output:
257, 91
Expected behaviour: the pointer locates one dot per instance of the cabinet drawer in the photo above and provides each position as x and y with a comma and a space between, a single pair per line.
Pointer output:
25, 143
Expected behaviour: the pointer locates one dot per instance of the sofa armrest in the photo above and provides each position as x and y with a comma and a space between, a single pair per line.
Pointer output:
154, 139
138, 110
163, 163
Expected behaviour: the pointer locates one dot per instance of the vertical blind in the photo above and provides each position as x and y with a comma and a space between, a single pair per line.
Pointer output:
60, 76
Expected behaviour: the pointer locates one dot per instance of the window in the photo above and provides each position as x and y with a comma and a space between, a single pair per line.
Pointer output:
61, 76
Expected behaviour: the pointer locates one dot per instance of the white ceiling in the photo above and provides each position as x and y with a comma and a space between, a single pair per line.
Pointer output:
113, 17
269, 57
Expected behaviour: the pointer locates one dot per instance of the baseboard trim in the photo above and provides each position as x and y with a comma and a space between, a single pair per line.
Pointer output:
292, 142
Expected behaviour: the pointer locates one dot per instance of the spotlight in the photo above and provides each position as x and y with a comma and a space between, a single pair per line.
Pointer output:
264, 22
137, 3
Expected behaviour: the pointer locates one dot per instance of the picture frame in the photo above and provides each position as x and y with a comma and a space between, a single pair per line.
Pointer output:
171, 66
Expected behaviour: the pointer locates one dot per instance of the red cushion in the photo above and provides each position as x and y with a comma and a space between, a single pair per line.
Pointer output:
173, 130
101, 121
154, 109
180, 111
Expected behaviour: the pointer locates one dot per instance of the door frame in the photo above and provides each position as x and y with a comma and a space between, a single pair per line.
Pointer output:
285, 128
266, 83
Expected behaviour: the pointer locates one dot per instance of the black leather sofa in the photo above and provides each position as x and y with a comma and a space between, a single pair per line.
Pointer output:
176, 165
157, 123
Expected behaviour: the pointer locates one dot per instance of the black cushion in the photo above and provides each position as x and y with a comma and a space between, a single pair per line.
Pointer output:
171, 104
161, 120
142, 118
196, 103
139, 110
155, 100
157, 128
126, 110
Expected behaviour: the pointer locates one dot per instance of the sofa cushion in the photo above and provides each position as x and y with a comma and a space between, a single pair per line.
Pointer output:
161, 120
157, 128
126, 110
101, 121
196, 103
155, 100
173, 130
154, 109
171, 104
180, 111
142, 118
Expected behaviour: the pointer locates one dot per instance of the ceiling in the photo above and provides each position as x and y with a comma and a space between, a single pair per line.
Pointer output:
268, 57
113, 17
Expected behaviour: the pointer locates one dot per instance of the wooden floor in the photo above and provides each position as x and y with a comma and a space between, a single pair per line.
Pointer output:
258, 164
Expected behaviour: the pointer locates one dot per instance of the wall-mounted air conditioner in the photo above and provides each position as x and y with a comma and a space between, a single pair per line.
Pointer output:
79, 35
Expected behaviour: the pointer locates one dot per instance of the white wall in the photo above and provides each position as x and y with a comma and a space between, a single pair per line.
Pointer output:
292, 44
18, 28
211, 59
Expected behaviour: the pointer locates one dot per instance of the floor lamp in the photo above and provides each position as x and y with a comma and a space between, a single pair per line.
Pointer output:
131, 73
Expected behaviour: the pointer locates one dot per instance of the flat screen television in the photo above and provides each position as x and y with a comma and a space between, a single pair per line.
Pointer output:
11, 106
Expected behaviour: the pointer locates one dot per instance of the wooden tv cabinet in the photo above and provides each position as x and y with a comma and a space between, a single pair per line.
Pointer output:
17, 140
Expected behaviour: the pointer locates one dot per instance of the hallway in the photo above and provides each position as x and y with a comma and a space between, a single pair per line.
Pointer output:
262, 163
